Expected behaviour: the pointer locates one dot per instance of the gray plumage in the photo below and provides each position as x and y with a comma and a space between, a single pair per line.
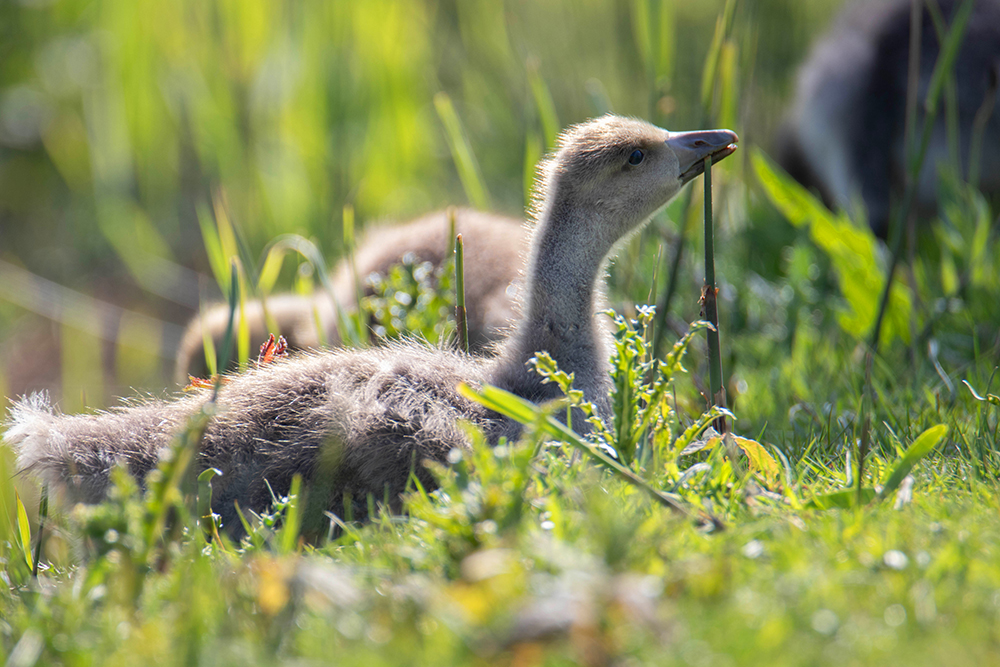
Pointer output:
494, 249
359, 421
844, 134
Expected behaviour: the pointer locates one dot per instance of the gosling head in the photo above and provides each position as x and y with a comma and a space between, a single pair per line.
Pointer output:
624, 170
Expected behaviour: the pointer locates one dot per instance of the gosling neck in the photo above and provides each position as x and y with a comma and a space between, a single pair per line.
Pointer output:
563, 292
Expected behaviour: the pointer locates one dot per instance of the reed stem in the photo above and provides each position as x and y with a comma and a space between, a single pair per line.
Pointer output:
710, 308
460, 318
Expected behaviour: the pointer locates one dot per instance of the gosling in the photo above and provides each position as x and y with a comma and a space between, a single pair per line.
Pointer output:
357, 423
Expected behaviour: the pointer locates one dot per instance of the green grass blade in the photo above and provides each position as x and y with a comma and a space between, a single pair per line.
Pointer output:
213, 248
710, 72
206, 518
544, 104
208, 345
642, 31
665, 41
461, 153
350, 244
289, 534
350, 331
942, 72
229, 338
243, 324
988, 398
533, 151
24, 531
270, 269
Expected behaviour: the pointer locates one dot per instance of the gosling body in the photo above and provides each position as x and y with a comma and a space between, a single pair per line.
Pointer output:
495, 247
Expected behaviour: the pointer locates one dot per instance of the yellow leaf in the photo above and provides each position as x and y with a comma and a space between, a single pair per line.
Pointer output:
272, 584
758, 460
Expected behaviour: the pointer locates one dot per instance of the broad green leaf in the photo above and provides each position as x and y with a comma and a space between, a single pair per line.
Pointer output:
921, 447
852, 249
501, 401
694, 430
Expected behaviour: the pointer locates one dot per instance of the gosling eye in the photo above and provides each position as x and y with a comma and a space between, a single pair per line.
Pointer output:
635, 159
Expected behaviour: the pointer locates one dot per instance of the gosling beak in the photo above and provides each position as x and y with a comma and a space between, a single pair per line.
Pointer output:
692, 148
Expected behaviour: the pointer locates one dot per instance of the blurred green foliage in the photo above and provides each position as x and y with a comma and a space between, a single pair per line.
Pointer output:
120, 121
415, 299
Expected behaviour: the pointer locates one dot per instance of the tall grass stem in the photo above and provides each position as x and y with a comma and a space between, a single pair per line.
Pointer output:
710, 305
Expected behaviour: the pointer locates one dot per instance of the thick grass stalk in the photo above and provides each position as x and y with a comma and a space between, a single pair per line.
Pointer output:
710, 80
460, 316
710, 308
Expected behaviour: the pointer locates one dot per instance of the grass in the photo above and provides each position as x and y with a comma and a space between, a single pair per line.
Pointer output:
193, 134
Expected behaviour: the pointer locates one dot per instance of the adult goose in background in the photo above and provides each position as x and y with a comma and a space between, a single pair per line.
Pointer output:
359, 421
495, 246
844, 134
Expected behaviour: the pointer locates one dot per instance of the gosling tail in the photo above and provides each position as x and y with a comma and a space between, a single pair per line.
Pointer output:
76, 453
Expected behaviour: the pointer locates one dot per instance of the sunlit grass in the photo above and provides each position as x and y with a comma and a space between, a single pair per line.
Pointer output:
180, 135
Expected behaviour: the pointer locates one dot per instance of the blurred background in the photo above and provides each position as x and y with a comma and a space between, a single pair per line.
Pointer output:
124, 124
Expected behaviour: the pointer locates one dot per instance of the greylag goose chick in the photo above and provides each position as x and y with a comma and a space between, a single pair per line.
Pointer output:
844, 134
495, 246
359, 421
